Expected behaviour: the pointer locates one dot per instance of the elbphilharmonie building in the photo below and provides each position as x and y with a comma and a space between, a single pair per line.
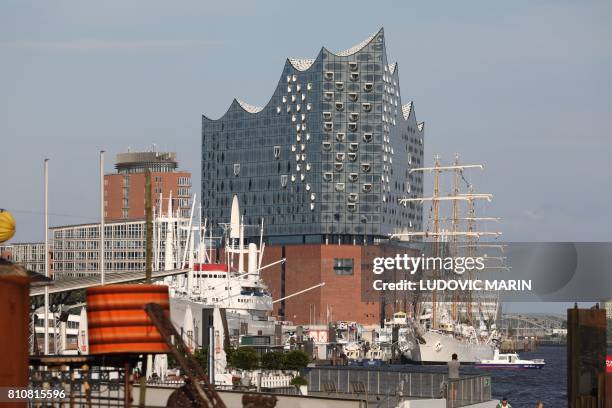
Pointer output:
326, 159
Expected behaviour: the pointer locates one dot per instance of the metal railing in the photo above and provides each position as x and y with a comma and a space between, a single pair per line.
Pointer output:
362, 382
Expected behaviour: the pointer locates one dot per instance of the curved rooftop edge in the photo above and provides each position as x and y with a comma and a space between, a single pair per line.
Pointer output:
248, 107
406, 109
303, 64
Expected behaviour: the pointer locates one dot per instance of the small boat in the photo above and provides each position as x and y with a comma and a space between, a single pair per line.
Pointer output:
510, 360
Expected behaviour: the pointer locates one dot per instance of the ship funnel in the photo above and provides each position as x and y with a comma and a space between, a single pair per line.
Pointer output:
253, 261
235, 219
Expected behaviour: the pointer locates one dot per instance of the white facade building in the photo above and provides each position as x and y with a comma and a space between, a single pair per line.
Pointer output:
30, 255
76, 248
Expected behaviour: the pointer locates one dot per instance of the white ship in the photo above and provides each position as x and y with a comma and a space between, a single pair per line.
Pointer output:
233, 285
510, 360
443, 324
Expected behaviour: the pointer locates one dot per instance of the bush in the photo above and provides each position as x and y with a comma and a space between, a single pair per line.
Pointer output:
296, 360
244, 358
298, 381
274, 360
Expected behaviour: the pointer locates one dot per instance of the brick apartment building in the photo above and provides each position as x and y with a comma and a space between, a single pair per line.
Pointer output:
124, 190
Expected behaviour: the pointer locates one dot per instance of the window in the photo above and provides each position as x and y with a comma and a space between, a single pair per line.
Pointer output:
329, 96
339, 186
368, 86
329, 76
277, 152
354, 76
367, 107
328, 126
236, 169
353, 66
327, 115
352, 127
367, 137
352, 156
343, 266
340, 137
354, 117
339, 85
353, 96
339, 106
326, 146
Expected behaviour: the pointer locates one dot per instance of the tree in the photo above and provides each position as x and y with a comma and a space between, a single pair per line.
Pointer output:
201, 357
273, 360
244, 358
296, 360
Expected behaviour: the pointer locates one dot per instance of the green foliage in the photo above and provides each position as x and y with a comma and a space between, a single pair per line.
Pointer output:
296, 360
244, 358
201, 357
274, 360
228, 355
298, 381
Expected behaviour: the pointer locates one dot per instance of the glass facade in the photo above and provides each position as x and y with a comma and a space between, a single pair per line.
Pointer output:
327, 158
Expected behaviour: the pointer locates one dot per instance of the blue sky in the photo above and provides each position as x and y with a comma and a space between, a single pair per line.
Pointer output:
524, 87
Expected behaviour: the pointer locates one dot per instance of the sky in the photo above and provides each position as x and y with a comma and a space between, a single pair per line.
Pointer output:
523, 87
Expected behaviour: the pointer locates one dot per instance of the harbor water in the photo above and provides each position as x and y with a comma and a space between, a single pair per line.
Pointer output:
522, 387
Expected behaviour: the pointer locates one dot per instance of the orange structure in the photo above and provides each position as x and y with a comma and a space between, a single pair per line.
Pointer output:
14, 330
117, 321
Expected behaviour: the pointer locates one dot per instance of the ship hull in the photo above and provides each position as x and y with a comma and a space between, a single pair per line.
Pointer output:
439, 348
238, 321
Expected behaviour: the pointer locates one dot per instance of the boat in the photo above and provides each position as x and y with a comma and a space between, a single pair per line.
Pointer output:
441, 324
233, 284
510, 360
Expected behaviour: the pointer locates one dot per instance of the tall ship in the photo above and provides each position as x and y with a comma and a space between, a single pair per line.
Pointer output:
443, 323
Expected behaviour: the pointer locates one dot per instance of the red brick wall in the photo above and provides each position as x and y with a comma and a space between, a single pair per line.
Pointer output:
113, 191
308, 265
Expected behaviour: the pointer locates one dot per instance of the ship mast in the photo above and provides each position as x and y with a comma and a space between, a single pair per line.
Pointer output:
455, 197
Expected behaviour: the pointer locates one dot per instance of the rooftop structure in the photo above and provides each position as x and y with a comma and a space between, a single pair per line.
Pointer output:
137, 162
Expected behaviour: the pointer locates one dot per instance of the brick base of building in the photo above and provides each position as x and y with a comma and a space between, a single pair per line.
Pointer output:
347, 295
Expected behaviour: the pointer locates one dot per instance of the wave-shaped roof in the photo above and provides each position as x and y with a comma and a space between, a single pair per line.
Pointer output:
357, 47
303, 64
